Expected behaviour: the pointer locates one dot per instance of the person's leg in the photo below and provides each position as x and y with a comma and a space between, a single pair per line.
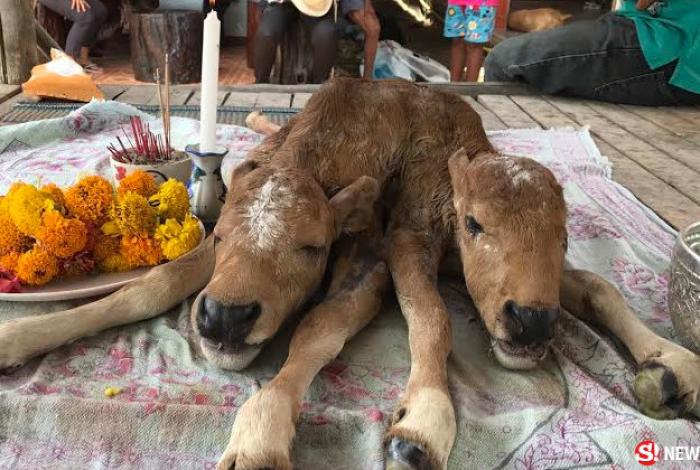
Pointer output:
274, 22
457, 53
599, 59
324, 41
86, 24
475, 58
455, 29
366, 18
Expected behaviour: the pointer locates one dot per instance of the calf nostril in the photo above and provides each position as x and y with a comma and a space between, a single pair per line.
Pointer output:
530, 325
250, 312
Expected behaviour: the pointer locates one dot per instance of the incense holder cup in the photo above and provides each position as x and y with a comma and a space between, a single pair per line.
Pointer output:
207, 188
684, 287
179, 168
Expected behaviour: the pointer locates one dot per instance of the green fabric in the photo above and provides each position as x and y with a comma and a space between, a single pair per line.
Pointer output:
673, 34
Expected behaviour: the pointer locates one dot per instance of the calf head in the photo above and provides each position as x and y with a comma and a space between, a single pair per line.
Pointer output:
272, 244
511, 231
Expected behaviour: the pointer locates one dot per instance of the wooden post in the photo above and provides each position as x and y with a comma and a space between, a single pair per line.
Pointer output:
17, 41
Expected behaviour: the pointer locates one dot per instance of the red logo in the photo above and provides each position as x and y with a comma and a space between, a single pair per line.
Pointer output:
647, 453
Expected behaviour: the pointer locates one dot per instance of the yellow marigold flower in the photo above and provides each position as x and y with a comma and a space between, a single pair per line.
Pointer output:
90, 199
105, 246
11, 239
177, 239
114, 264
132, 215
138, 182
9, 261
36, 267
55, 193
26, 206
141, 251
60, 236
172, 200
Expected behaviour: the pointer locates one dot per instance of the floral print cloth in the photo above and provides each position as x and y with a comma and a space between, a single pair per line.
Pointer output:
176, 410
474, 23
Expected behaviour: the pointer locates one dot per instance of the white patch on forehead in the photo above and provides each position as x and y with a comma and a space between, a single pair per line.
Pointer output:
264, 213
513, 168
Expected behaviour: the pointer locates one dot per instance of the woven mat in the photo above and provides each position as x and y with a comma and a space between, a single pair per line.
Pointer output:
25, 112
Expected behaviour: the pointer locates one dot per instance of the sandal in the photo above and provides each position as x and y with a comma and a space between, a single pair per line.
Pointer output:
92, 68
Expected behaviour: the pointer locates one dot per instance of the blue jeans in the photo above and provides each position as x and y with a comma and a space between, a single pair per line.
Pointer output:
600, 59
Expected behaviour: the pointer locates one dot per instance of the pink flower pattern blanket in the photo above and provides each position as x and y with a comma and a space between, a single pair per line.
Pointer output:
176, 410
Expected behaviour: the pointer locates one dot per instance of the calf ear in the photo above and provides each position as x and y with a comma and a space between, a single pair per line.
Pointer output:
353, 206
457, 164
239, 171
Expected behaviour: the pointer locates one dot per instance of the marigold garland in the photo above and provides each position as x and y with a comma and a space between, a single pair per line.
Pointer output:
49, 232
90, 199
61, 236
177, 239
138, 182
171, 200
132, 215
36, 267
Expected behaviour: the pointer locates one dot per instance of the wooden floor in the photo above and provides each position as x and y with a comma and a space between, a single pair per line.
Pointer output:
655, 152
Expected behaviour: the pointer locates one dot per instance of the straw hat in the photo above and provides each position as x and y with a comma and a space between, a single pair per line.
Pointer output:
315, 8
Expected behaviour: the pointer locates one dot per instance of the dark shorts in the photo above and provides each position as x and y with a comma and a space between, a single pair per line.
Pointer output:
348, 6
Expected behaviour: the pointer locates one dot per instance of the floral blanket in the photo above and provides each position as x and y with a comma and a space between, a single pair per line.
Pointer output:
176, 410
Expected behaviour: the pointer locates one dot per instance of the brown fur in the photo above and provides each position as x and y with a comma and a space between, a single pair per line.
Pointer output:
317, 190
538, 19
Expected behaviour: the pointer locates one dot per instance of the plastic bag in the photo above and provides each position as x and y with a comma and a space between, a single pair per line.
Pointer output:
394, 60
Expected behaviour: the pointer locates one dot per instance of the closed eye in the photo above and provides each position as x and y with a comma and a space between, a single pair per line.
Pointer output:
313, 251
217, 240
473, 226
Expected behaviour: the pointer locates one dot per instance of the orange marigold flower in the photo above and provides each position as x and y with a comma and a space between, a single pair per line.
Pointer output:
26, 205
138, 182
9, 261
36, 267
114, 264
105, 246
11, 239
141, 251
61, 236
90, 199
133, 215
55, 193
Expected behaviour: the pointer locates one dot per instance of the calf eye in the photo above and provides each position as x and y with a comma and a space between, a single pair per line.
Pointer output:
473, 226
313, 251
565, 245
217, 240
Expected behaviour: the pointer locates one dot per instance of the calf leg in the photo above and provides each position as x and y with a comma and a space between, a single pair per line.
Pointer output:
159, 290
668, 379
424, 426
264, 428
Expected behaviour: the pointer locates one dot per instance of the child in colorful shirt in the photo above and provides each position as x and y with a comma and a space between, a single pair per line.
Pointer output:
470, 24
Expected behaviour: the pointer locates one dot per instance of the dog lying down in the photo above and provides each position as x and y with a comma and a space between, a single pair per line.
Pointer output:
372, 182
538, 19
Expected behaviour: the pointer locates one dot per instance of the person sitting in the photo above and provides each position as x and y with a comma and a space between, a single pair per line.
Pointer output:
276, 19
87, 17
646, 53
361, 12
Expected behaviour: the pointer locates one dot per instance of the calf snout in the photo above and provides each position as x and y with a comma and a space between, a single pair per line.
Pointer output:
226, 324
530, 325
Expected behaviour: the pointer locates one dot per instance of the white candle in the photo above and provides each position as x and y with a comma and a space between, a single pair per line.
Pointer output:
210, 82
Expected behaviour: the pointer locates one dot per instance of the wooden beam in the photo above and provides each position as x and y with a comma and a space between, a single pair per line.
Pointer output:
18, 41
471, 89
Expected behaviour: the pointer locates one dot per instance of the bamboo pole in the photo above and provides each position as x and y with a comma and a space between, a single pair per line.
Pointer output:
18, 45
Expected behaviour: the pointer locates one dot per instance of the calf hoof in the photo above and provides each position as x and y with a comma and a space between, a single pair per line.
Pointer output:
405, 455
656, 388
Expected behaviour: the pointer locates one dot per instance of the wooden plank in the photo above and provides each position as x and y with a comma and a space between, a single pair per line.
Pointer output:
179, 94
490, 121
111, 92
667, 119
671, 145
137, 94
300, 99
273, 100
507, 111
221, 96
17, 41
8, 91
6, 106
670, 204
471, 89
236, 98
672, 172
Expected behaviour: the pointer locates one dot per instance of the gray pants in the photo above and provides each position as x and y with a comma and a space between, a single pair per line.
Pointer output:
85, 26
599, 59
